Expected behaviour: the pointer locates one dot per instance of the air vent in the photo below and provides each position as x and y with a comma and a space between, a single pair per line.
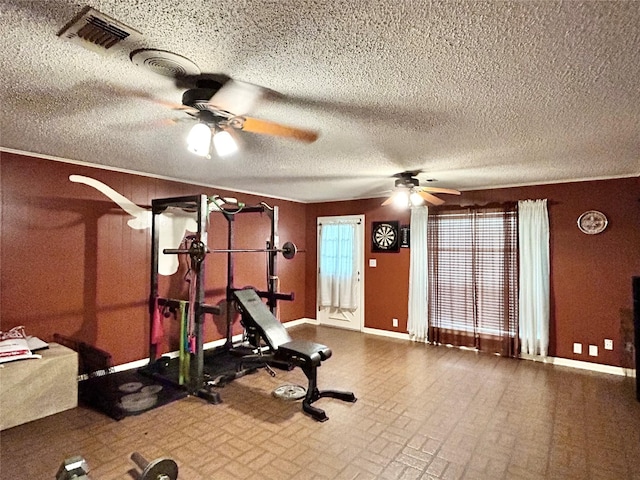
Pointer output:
97, 31
164, 63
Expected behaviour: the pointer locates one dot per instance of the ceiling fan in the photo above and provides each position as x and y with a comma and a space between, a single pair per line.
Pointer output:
409, 192
219, 108
218, 102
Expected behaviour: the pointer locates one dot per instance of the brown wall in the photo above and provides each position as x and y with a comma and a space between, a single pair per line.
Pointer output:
71, 264
590, 274
386, 285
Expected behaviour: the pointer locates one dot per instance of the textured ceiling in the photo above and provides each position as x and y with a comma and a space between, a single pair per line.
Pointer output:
476, 94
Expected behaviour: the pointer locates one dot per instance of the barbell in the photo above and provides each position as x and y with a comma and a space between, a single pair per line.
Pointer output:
198, 250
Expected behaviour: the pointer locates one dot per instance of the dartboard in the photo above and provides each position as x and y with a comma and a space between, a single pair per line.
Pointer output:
385, 236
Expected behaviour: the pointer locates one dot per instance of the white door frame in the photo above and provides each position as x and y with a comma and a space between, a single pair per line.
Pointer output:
360, 232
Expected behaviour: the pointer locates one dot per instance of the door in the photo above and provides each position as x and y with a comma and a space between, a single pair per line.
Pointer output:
341, 240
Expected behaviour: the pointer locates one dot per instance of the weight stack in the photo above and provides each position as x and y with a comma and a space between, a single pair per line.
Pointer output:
636, 328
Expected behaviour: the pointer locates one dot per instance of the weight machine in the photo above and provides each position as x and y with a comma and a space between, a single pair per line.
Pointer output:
203, 368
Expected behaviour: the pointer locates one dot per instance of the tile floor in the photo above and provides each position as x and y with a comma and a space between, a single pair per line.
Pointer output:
423, 412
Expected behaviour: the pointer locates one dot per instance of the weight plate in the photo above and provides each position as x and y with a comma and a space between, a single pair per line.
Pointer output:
136, 402
289, 250
290, 392
163, 468
130, 387
151, 389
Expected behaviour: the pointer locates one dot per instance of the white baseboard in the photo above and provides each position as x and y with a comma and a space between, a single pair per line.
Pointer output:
301, 321
385, 333
561, 362
594, 367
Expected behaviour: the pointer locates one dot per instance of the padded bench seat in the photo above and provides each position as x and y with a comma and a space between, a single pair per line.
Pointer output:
314, 353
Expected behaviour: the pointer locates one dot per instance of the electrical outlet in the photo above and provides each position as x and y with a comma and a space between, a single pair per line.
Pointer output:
608, 344
394, 322
577, 348
593, 350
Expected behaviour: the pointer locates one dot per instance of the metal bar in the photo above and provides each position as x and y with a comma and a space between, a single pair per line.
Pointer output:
229, 291
170, 302
169, 251
155, 234
203, 216
273, 263
190, 201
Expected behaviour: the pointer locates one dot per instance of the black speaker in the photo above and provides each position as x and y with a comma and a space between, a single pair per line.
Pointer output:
636, 328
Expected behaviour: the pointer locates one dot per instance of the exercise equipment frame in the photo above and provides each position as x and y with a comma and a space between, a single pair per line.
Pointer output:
200, 205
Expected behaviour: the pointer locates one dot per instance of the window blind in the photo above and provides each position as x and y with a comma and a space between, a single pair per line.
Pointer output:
473, 277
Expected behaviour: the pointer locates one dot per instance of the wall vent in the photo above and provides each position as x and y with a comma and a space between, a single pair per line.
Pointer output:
97, 32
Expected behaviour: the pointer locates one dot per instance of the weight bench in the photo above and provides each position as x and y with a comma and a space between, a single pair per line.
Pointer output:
261, 324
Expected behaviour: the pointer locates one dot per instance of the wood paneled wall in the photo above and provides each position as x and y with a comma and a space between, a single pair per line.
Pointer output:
71, 264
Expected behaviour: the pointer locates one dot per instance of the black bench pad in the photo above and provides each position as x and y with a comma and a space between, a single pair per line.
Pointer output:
311, 352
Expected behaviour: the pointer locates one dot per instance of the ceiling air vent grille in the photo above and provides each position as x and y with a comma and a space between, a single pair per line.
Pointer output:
97, 31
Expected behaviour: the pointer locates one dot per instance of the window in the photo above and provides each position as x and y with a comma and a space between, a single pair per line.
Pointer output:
473, 278
338, 277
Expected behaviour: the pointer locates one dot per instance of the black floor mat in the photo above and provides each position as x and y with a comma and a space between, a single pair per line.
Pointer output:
127, 393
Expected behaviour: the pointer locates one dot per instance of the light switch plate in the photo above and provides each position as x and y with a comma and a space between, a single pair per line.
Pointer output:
577, 348
593, 350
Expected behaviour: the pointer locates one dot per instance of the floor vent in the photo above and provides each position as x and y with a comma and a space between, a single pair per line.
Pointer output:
97, 31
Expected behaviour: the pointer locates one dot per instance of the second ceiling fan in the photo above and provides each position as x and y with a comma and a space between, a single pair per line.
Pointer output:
409, 192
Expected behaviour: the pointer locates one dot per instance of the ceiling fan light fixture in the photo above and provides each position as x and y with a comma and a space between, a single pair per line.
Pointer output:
224, 143
199, 139
401, 199
416, 199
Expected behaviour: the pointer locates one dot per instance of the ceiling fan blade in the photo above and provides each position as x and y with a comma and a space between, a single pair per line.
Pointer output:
237, 97
183, 108
450, 191
264, 127
430, 198
388, 201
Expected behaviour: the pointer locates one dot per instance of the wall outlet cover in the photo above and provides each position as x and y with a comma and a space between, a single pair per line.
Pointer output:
373, 262
593, 350
577, 348
608, 344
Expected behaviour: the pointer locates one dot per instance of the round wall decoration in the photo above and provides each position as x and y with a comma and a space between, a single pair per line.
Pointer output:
592, 222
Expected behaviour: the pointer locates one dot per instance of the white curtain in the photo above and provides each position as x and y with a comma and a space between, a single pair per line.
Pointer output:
533, 235
338, 283
418, 275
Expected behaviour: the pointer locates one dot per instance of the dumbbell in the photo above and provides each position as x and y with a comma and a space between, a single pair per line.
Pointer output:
73, 468
159, 469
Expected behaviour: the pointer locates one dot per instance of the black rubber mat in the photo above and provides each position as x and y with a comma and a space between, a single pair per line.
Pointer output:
127, 393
